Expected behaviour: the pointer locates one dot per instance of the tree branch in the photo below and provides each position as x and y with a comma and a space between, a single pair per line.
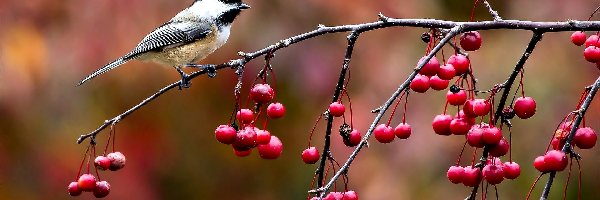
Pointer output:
492, 11
567, 147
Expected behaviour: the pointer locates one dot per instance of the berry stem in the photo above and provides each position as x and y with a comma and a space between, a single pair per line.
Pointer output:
533, 185
473, 10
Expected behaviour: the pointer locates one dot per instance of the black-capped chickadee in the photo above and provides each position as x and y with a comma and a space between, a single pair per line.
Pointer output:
190, 36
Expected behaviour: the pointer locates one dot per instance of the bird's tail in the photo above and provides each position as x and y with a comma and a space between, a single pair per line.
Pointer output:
106, 68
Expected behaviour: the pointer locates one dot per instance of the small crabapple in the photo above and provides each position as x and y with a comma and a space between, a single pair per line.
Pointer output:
491, 135
102, 163
475, 136
263, 137
271, 150
350, 195
225, 134
275, 110
470, 41
243, 153
578, 38
420, 83
585, 138
472, 176
524, 107
86, 182
384, 133
117, 161
446, 72
337, 109
436, 83
555, 160
493, 174
353, 138
511, 170
245, 139
245, 116
403, 131
460, 62
456, 99
592, 54
441, 124
540, 164
262, 93
593, 40
102, 189
430, 68
74, 189
500, 149
310, 155
455, 174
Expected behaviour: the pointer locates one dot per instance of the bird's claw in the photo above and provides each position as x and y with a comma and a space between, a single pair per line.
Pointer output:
210, 70
185, 81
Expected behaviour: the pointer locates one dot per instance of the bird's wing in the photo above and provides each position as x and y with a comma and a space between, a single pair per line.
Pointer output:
170, 34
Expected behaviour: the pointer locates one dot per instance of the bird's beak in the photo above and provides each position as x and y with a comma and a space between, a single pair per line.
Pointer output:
243, 6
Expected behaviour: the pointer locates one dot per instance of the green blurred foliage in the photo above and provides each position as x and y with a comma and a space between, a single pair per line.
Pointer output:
47, 46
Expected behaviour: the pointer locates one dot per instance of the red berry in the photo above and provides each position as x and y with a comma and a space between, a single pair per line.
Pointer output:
446, 72
456, 99
441, 124
86, 182
593, 40
585, 138
350, 195
578, 38
524, 107
480, 107
430, 68
493, 161
403, 131
334, 196
557, 144
242, 153
384, 133
74, 189
491, 135
354, 138
420, 84
472, 176
460, 62
540, 164
225, 134
245, 116
262, 93
555, 160
493, 174
455, 174
337, 109
102, 189
459, 126
475, 136
117, 161
310, 155
500, 149
470, 41
461, 114
102, 162
468, 109
263, 137
592, 54
245, 139
275, 110
511, 170
437, 83
272, 150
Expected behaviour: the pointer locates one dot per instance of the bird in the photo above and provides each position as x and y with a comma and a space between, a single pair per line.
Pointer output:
190, 36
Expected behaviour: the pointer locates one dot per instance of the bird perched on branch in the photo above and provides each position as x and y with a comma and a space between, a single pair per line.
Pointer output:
190, 36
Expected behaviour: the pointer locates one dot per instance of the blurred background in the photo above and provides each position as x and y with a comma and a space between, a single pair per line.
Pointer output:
46, 47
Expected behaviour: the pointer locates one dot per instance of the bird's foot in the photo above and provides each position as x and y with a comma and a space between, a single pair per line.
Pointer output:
210, 70
185, 81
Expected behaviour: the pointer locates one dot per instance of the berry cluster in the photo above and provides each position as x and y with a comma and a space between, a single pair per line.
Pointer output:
248, 136
348, 195
591, 53
89, 183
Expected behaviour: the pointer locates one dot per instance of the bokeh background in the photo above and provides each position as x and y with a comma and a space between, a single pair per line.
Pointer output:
46, 47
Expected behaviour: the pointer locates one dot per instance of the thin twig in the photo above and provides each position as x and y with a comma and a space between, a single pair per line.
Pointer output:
492, 11
567, 147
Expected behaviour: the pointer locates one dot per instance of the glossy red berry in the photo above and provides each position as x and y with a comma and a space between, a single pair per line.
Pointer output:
337, 109
262, 93
271, 150
468, 109
263, 137
461, 114
491, 135
493, 174
420, 84
74, 189
102, 189
578, 38
480, 107
102, 163
243, 153
593, 40
403, 131
585, 138
460, 62
455, 174
592, 54
540, 164
430, 68
86, 182
437, 83
334, 196
557, 144
350, 195
310, 155
470, 41
456, 99
459, 126
117, 161
475, 136
500, 149
524, 107
441, 124
384, 133
245, 116
446, 72
511, 170
245, 139
555, 160
275, 110
472, 176
354, 138
225, 134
